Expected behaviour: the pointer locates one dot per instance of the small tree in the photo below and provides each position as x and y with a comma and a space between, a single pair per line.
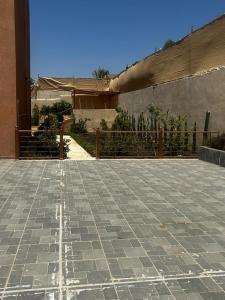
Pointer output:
100, 73
59, 109
104, 125
35, 115
168, 44
79, 126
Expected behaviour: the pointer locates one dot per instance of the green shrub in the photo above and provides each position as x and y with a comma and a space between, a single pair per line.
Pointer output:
104, 125
35, 115
144, 143
168, 44
80, 126
59, 109
48, 137
50, 122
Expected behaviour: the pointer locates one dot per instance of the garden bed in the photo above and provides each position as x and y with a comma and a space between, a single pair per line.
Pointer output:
86, 141
212, 155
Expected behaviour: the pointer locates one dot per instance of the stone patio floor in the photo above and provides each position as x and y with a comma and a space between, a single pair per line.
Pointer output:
120, 229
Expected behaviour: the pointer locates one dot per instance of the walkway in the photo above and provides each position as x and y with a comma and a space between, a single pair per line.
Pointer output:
76, 151
104, 230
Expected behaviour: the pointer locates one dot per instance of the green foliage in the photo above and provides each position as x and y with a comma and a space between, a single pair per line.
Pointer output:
59, 109
186, 136
35, 115
206, 128
91, 149
45, 110
62, 107
123, 121
103, 125
100, 73
79, 126
168, 44
48, 137
147, 126
50, 122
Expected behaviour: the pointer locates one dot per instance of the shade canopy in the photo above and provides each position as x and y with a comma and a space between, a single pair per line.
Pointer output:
80, 86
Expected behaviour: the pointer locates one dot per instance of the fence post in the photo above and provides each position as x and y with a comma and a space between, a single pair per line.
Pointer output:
61, 145
97, 143
161, 143
17, 143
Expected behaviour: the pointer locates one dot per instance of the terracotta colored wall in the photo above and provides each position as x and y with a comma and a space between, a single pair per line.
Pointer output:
14, 66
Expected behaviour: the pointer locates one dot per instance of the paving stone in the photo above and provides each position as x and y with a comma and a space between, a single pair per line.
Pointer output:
121, 220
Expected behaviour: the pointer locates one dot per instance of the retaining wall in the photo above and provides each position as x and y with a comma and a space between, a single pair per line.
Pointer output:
193, 96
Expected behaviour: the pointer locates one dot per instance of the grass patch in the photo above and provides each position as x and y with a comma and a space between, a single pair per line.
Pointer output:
90, 148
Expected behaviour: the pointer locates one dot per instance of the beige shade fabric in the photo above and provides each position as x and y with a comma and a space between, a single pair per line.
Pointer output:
202, 50
81, 86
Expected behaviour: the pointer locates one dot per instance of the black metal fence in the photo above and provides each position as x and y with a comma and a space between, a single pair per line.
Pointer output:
151, 144
49, 144
41, 144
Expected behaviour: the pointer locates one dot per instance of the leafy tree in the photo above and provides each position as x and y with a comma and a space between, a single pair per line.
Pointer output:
59, 109
168, 44
62, 107
100, 73
35, 115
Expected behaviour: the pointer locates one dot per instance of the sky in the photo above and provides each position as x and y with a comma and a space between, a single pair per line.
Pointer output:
74, 37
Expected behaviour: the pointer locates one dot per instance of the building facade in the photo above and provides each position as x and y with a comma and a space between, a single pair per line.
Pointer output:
15, 73
89, 97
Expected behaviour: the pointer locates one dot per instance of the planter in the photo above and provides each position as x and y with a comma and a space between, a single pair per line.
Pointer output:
212, 155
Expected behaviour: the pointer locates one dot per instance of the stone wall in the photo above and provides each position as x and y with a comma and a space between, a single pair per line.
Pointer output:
193, 95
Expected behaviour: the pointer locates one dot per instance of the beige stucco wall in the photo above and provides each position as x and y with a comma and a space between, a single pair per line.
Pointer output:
193, 96
48, 98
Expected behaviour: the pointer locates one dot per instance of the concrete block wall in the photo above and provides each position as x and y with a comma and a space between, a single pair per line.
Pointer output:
95, 116
192, 95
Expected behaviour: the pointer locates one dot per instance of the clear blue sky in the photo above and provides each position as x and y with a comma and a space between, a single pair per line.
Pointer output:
74, 37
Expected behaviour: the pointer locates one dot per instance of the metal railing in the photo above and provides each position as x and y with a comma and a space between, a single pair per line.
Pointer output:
49, 144
40, 144
151, 144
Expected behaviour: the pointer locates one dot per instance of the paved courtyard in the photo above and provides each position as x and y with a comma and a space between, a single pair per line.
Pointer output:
104, 230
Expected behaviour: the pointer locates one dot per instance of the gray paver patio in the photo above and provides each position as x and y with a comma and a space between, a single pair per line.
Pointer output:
120, 229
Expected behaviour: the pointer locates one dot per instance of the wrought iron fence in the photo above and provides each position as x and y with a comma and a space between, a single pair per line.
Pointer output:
151, 144
40, 144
